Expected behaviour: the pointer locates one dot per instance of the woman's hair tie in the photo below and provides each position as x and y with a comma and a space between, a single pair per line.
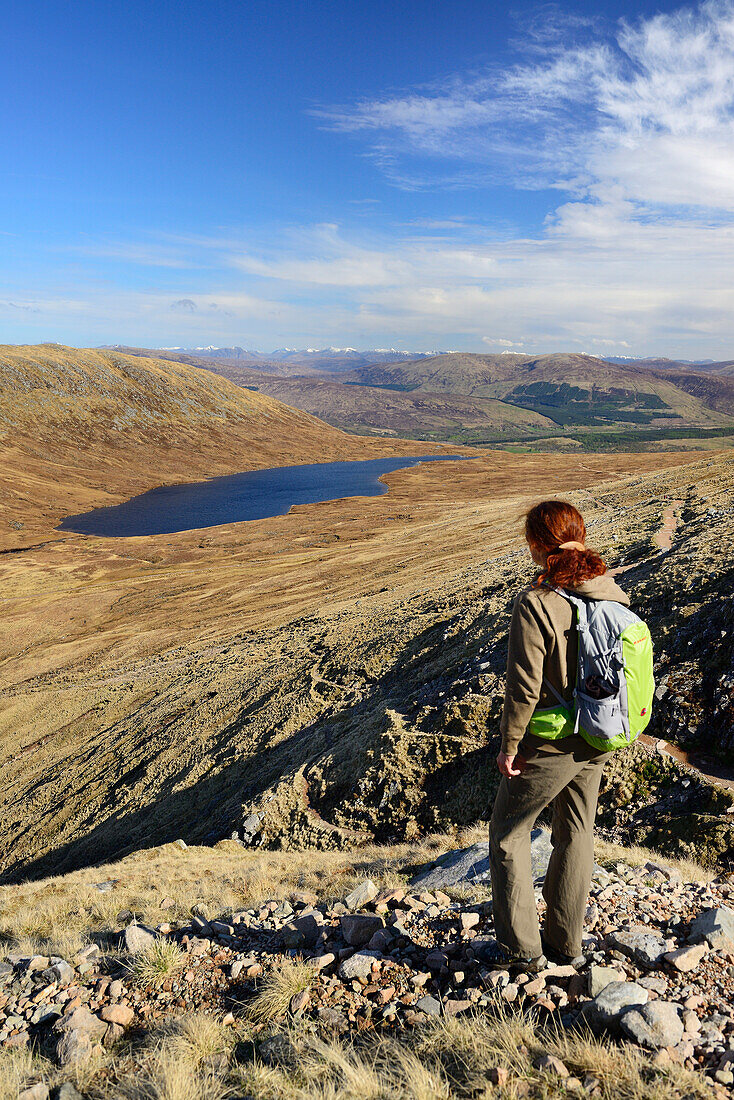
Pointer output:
572, 546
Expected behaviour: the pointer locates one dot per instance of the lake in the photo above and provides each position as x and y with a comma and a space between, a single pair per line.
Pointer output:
237, 497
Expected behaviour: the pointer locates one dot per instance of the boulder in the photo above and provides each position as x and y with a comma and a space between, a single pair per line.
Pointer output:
113, 1034
469, 865
61, 972
359, 928
83, 1021
548, 1063
74, 1046
644, 948
607, 1008
687, 958
278, 1050
79, 1030
39, 1091
654, 1026
358, 965
713, 926
599, 977
430, 1005
67, 1091
656, 983
362, 895
309, 923
137, 939
118, 1014
292, 936
299, 1001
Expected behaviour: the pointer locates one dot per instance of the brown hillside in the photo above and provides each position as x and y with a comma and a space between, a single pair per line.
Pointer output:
722, 367
365, 407
715, 391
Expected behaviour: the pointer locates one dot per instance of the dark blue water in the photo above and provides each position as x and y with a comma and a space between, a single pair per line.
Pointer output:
238, 497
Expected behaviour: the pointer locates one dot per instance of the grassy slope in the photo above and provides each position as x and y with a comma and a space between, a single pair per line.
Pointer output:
713, 390
165, 681
364, 407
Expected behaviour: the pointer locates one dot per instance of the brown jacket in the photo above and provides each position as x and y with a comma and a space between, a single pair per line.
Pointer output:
543, 644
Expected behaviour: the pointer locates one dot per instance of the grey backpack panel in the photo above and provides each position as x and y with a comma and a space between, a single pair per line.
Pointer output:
600, 693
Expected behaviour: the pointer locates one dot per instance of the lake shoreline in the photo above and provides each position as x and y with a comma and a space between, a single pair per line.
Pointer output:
242, 497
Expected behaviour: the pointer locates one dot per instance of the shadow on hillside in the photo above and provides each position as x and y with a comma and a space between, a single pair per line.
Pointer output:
211, 809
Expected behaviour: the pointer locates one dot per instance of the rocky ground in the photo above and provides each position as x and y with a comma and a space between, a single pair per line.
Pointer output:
658, 975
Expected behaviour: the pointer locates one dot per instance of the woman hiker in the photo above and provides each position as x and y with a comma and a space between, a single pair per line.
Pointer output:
541, 762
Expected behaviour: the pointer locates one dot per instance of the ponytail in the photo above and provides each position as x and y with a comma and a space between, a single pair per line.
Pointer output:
549, 525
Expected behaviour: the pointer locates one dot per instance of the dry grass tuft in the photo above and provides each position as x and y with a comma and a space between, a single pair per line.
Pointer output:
416, 1080
170, 1075
280, 984
263, 1082
159, 961
454, 1058
197, 1036
608, 852
187, 1058
19, 1069
191, 1058
337, 1067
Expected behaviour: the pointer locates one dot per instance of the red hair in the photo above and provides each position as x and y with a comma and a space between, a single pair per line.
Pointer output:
551, 523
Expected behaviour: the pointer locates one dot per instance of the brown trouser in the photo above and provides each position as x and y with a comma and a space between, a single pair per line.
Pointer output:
567, 771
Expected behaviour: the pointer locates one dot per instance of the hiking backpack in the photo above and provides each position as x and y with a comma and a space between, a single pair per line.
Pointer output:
612, 699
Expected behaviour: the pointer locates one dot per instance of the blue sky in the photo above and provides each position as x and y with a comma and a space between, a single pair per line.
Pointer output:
417, 174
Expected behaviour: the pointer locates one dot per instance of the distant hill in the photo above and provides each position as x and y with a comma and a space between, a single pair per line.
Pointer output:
421, 413
84, 428
712, 366
570, 389
716, 391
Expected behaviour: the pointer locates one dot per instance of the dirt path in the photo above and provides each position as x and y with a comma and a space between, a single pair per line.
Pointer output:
712, 770
663, 537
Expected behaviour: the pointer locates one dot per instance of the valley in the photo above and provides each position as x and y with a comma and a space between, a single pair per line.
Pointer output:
336, 670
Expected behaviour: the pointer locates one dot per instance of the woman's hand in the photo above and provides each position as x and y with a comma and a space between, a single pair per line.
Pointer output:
510, 766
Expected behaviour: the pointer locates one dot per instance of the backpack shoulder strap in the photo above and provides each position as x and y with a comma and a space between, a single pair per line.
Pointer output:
556, 694
582, 627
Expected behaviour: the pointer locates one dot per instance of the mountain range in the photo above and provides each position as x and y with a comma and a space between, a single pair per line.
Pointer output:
286, 360
560, 400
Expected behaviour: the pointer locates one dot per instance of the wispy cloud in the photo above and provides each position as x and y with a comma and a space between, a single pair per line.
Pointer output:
648, 113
